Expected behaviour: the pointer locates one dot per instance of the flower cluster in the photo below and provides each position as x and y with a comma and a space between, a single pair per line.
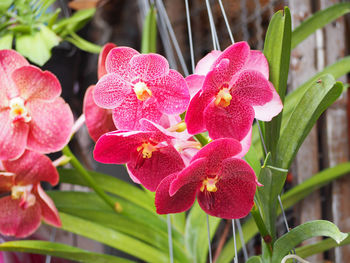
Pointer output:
144, 99
34, 121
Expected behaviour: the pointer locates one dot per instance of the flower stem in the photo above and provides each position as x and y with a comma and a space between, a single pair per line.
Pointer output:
87, 177
202, 139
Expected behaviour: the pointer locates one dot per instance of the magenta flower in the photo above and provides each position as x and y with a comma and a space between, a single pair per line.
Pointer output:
32, 115
234, 91
140, 86
148, 153
223, 183
25, 203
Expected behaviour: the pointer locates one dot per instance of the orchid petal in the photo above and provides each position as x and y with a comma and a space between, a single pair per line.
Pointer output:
101, 69
257, 61
49, 211
205, 64
195, 83
6, 182
148, 67
118, 59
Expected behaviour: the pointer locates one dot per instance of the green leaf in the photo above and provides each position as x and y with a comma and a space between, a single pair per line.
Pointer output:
277, 51
5, 4
255, 259
82, 43
196, 235
149, 35
303, 232
318, 20
6, 41
252, 158
318, 97
61, 251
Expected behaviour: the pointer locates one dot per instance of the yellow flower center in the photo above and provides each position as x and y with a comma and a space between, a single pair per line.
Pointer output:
18, 111
223, 98
23, 193
146, 149
209, 184
142, 91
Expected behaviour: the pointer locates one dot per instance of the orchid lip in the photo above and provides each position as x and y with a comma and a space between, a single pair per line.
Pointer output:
142, 91
209, 184
224, 97
24, 193
18, 111
145, 151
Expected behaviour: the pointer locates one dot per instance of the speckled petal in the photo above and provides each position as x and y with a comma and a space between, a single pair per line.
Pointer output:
118, 59
148, 67
101, 69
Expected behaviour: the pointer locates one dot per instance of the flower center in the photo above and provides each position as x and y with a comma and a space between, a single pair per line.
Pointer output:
142, 91
18, 111
146, 149
223, 98
25, 194
209, 184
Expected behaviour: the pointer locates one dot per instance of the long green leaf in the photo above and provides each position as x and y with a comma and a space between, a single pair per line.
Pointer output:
255, 259
61, 251
303, 232
318, 97
277, 51
149, 35
318, 20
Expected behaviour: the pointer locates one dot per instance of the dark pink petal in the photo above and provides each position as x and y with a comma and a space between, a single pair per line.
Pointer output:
217, 151
233, 121
236, 187
117, 147
33, 83
6, 182
118, 61
171, 93
237, 54
49, 211
205, 64
51, 125
18, 222
218, 77
164, 161
101, 69
13, 136
98, 120
195, 173
31, 168
271, 109
194, 115
195, 83
245, 142
128, 114
10, 60
148, 67
257, 61
110, 91
180, 202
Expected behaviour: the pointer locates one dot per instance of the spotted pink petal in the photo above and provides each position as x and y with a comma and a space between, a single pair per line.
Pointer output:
205, 64
171, 93
50, 126
233, 121
245, 142
164, 161
10, 60
237, 54
13, 136
195, 83
6, 182
217, 151
101, 70
148, 67
180, 202
195, 173
236, 187
128, 114
98, 120
257, 61
31, 168
18, 222
33, 83
110, 91
118, 59
117, 147
49, 211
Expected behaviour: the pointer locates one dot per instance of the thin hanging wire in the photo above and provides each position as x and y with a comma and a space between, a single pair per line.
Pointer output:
163, 14
235, 259
239, 227
209, 243
214, 34
226, 21
170, 240
189, 28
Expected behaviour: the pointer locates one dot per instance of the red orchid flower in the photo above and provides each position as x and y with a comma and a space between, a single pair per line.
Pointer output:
223, 183
148, 153
32, 115
233, 90
27, 203
140, 86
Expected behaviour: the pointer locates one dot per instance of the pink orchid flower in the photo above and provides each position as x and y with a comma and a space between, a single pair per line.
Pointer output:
98, 120
148, 153
140, 86
233, 89
27, 203
223, 183
32, 115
